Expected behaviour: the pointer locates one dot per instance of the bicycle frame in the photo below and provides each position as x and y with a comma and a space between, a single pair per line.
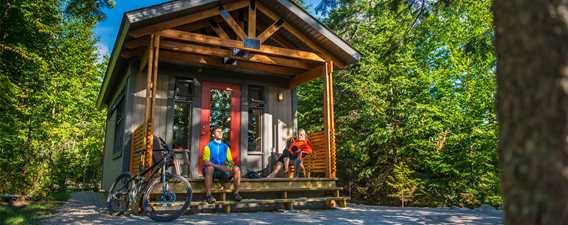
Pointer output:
140, 181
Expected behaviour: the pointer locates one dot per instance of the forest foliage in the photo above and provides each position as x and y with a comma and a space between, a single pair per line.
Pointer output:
50, 131
417, 113
415, 118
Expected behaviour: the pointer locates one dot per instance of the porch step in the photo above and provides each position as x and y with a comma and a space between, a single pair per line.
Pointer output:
271, 201
266, 185
230, 190
262, 201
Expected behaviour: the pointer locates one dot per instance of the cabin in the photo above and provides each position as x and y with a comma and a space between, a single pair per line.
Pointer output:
180, 68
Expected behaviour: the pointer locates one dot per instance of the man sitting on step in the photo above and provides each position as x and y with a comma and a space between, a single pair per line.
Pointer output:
218, 164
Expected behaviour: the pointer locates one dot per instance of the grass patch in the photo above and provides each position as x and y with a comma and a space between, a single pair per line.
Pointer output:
32, 212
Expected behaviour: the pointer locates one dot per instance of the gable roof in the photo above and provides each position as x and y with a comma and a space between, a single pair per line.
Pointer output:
289, 11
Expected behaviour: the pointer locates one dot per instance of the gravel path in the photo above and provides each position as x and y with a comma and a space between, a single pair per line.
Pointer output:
88, 208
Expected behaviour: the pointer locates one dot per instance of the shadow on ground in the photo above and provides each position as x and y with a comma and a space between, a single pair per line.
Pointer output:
88, 208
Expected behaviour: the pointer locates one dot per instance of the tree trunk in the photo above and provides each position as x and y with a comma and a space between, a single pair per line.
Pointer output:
532, 109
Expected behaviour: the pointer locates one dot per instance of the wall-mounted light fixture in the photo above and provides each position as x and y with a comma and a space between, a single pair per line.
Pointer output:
280, 96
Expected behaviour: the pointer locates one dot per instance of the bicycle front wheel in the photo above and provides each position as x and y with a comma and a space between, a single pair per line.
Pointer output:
167, 199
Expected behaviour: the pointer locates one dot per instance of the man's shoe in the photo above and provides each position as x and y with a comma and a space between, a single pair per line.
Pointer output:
211, 199
237, 197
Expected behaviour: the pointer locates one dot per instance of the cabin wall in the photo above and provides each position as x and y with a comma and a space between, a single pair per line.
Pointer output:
111, 162
113, 156
280, 118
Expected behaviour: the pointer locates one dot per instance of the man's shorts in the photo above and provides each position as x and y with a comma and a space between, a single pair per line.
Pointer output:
218, 174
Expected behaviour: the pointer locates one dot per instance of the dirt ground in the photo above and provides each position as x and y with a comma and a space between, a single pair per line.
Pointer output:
89, 208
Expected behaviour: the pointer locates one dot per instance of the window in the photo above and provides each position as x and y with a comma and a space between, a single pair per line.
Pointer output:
255, 112
119, 111
183, 104
221, 112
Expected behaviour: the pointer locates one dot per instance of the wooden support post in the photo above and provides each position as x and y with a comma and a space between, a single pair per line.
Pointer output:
226, 207
252, 19
151, 83
329, 125
341, 203
287, 205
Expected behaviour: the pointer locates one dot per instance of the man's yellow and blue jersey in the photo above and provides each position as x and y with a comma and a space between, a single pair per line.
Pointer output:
217, 153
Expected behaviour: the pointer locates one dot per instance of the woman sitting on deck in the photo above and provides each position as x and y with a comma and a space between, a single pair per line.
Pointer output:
295, 150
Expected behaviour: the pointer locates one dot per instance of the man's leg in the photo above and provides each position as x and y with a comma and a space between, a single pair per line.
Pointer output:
286, 164
236, 172
276, 170
236, 178
209, 182
299, 165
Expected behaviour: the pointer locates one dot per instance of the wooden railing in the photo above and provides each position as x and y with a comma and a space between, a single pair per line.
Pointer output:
317, 163
137, 148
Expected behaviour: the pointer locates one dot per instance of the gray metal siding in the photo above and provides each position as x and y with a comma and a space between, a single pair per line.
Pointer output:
282, 123
112, 166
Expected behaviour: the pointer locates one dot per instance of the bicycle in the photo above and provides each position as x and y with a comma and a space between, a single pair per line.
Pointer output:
166, 196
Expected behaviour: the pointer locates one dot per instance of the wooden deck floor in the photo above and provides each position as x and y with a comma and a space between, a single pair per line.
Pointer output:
278, 192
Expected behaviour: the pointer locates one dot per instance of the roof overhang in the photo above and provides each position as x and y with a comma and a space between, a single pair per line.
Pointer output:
287, 10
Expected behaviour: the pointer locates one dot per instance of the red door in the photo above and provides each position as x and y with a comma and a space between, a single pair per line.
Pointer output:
220, 106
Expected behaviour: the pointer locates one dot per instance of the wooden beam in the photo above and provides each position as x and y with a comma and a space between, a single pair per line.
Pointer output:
137, 43
218, 29
265, 49
325, 54
171, 23
328, 119
249, 67
307, 76
252, 19
144, 60
232, 23
270, 30
322, 52
219, 52
280, 61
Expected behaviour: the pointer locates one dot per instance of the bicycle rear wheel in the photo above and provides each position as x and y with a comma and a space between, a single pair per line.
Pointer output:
117, 199
167, 200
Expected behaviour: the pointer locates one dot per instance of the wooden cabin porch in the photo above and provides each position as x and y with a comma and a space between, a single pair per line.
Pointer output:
266, 44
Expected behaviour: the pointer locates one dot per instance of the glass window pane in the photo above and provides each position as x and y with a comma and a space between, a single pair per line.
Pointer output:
255, 112
221, 112
119, 125
183, 89
182, 124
